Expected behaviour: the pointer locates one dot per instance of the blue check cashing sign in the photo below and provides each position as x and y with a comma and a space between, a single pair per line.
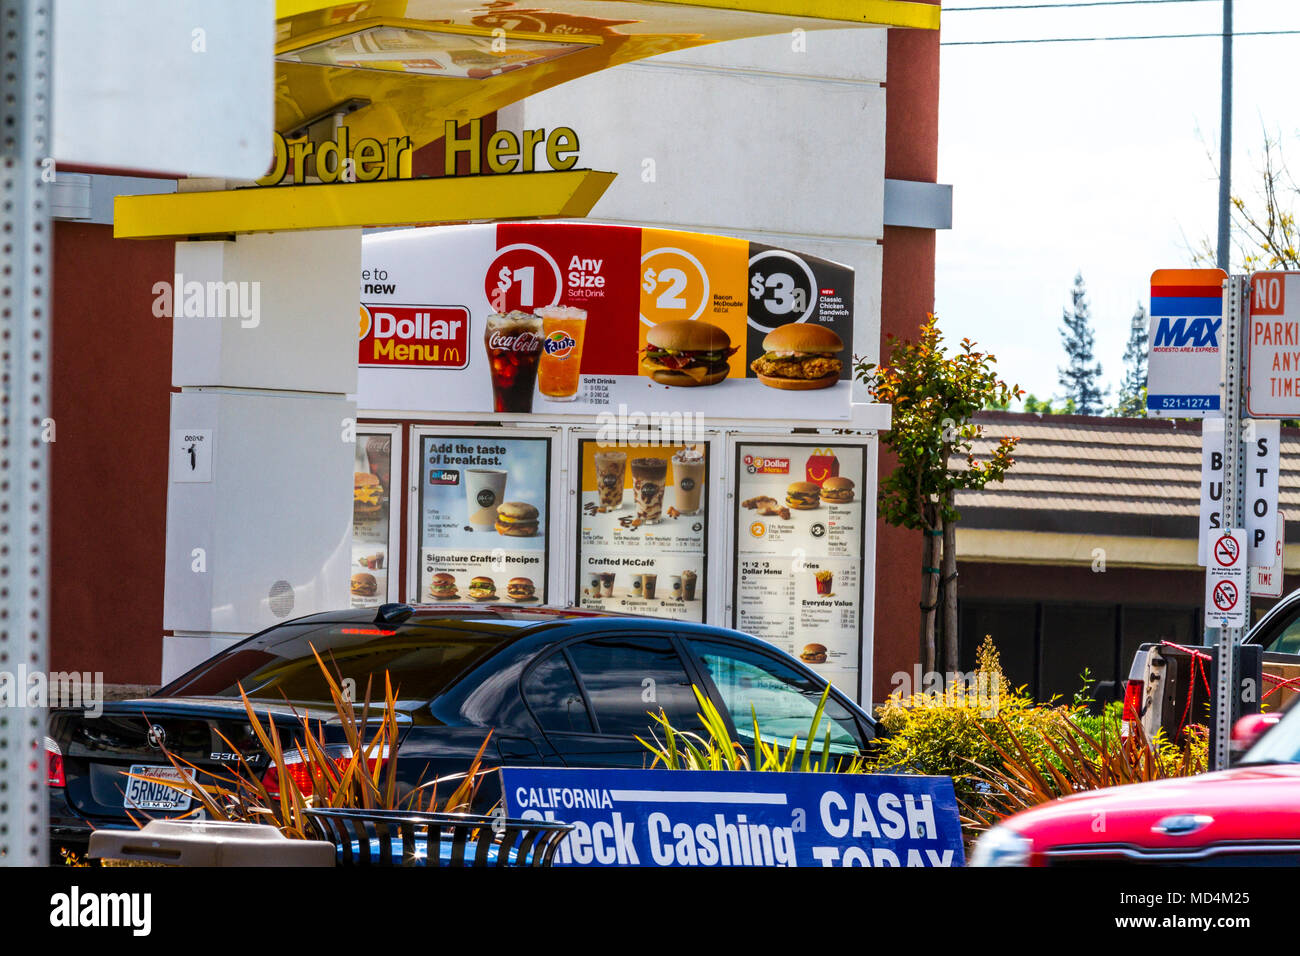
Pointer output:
741, 818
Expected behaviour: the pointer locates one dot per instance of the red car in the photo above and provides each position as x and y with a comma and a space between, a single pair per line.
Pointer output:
1246, 816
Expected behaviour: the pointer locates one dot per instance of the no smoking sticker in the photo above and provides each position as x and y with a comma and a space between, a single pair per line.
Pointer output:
1225, 582
1226, 551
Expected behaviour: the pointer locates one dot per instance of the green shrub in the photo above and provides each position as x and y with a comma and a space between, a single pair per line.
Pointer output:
968, 733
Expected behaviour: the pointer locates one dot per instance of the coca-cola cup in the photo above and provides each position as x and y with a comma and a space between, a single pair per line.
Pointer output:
514, 343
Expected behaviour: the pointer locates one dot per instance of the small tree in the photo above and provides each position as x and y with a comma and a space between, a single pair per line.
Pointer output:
1080, 377
934, 396
1132, 399
1265, 233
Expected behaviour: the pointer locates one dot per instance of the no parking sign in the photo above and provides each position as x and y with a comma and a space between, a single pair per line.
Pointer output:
1225, 581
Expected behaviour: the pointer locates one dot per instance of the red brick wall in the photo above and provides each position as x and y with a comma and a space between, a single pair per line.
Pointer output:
111, 385
906, 295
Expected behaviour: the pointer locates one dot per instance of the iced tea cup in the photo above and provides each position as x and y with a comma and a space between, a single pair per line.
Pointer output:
563, 329
611, 466
688, 480
648, 476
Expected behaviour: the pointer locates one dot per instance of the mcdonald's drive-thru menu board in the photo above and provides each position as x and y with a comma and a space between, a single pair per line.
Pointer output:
582, 318
484, 516
800, 522
372, 502
643, 529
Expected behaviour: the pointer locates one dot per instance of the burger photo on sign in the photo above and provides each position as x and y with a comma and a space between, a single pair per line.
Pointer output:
837, 490
686, 353
799, 356
483, 588
517, 519
443, 587
521, 589
813, 654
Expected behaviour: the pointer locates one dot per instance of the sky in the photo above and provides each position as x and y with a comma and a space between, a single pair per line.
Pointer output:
1098, 158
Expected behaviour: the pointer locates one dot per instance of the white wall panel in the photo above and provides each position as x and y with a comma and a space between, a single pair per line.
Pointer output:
276, 508
304, 336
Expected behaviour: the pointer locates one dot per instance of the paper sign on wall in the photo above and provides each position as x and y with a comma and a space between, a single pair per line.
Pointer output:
191, 454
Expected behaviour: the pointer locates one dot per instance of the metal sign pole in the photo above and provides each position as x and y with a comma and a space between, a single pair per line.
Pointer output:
1235, 300
25, 66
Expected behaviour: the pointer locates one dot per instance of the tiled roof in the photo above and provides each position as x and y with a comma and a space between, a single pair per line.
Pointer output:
1100, 475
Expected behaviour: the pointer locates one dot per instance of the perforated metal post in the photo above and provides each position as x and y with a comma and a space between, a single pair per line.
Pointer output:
1235, 296
25, 94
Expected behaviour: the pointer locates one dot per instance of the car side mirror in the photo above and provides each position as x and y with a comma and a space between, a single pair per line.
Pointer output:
1247, 731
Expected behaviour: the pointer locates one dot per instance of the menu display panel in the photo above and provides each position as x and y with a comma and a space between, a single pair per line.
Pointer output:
587, 318
642, 530
799, 544
374, 513
484, 515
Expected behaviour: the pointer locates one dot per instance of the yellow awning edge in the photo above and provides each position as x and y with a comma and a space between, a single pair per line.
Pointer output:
410, 202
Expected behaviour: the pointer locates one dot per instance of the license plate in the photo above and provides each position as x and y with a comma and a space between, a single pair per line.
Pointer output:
147, 795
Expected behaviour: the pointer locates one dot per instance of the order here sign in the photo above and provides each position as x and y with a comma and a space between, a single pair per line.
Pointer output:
741, 818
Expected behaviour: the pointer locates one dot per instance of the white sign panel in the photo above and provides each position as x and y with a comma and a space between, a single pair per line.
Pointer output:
1273, 346
1267, 582
1183, 343
1261, 443
1225, 581
180, 86
1261, 448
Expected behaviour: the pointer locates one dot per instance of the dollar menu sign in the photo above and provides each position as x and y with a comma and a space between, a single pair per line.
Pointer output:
780, 289
516, 283
503, 286
778, 293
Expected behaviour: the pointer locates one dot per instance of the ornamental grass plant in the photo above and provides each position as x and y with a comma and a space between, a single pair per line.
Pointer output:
716, 750
360, 774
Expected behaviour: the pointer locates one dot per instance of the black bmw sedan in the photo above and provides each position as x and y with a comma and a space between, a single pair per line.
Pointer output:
559, 687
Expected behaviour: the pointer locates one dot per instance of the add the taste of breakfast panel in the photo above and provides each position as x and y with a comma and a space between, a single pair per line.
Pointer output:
643, 529
465, 319
799, 546
484, 518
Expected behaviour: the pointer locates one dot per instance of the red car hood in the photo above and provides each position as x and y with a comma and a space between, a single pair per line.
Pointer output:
1244, 804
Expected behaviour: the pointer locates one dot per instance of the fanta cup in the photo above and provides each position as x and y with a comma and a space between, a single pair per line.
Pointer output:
563, 328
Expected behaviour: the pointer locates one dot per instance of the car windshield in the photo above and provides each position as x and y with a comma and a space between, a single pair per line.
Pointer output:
1279, 745
421, 661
